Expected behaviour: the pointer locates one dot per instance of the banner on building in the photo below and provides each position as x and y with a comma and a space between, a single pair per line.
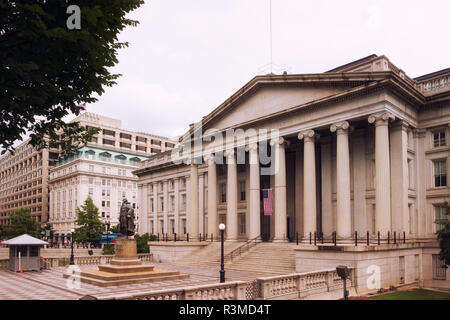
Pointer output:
268, 202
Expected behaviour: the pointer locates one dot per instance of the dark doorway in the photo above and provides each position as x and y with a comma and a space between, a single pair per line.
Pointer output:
265, 220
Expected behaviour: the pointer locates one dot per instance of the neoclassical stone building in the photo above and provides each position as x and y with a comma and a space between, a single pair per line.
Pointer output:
360, 148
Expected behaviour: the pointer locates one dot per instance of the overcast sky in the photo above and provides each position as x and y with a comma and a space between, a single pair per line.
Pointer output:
188, 56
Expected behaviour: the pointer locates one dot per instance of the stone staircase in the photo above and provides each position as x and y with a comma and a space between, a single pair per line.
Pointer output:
207, 257
265, 259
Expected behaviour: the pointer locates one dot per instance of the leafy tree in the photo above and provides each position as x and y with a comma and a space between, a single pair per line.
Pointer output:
115, 229
108, 249
90, 227
48, 70
444, 236
22, 222
142, 243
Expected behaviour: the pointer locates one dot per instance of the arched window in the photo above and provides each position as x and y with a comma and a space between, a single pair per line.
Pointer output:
121, 159
135, 161
89, 154
105, 156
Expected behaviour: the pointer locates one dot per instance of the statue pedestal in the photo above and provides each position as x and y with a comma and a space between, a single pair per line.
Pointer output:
125, 249
126, 268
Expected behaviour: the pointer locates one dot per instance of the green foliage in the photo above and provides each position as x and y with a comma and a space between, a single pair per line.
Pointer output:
47, 70
49, 228
108, 249
90, 226
115, 229
444, 236
22, 222
142, 243
153, 238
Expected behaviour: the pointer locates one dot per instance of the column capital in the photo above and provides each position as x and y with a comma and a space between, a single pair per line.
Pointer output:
251, 147
308, 135
402, 124
229, 153
419, 133
279, 141
381, 118
340, 127
209, 158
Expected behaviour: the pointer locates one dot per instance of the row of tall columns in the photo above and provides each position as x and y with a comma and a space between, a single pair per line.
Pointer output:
309, 182
254, 190
382, 174
343, 217
232, 186
212, 196
155, 209
193, 215
144, 209
165, 206
280, 207
343, 221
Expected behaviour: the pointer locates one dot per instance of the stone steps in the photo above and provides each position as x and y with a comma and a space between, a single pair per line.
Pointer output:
265, 258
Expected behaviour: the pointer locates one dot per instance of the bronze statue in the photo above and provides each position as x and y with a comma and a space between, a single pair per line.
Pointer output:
126, 219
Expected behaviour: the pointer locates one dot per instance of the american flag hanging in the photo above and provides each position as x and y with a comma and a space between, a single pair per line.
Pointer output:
268, 202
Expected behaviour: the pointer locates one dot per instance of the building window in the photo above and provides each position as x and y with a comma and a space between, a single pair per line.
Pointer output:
161, 201
440, 217
91, 180
141, 139
439, 268
125, 136
242, 224
183, 201
109, 132
172, 203
91, 191
223, 193
439, 139
105, 157
183, 224
440, 173
242, 190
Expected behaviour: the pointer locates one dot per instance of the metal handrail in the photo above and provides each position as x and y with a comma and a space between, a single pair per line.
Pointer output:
240, 250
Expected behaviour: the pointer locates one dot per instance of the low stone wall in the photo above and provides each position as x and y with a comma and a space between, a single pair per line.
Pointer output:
52, 262
172, 251
428, 280
218, 291
56, 252
317, 285
393, 265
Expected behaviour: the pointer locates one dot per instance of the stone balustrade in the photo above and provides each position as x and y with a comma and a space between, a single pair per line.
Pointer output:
302, 285
87, 260
218, 291
433, 86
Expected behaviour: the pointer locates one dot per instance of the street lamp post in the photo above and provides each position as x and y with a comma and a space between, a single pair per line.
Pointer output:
222, 262
72, 260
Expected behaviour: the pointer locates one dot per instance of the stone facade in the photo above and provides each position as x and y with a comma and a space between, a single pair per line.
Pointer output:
360, 148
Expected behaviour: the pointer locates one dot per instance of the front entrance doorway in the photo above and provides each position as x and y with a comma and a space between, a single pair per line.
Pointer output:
265, 220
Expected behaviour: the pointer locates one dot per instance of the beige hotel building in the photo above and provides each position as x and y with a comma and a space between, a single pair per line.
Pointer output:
102, 170
361, 148
25, 179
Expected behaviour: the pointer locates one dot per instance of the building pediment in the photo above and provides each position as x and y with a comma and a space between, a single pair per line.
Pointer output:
270, 95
